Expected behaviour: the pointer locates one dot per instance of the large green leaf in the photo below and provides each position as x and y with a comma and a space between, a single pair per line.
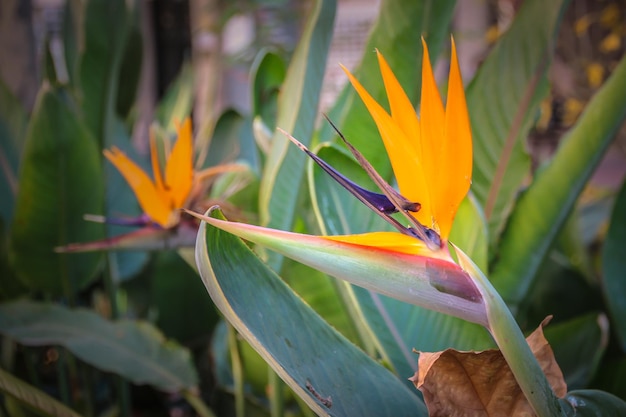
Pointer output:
593, 403
177, 102
130, 66
12, 130
101, 63
315, 360
394, 327
397, 35
613, 267
178, 297
135, 350
503, 99
611, 377
33, 398
578, 346
297, 112
547, 203
469, 231
268, 74
60, 181
319, 291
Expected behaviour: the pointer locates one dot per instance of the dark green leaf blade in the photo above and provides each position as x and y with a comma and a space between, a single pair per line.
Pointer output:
135, 350
101, 62
593, 403
60, 181
294, 340
578, 346
268, 74
13, 125
545, 206
512, 79
614, 265
297, 112
178, 297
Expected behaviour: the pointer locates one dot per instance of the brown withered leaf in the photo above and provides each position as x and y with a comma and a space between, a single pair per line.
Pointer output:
472, 384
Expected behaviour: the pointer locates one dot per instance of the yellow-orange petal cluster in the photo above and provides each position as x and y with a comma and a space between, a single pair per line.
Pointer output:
431, 155
160, 199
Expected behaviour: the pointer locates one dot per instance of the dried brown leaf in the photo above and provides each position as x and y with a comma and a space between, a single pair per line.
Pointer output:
472, 384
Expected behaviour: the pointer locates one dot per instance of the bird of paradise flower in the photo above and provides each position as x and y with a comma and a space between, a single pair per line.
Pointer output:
175, 186
431, 156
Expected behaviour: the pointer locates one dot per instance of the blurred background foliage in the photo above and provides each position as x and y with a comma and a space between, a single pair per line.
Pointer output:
134, 332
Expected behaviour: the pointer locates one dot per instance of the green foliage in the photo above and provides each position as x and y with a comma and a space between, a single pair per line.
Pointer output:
341, 349
503, 101
264, 310
32, 397
60, 181
297, 111
504, 98
133, 349
614, 265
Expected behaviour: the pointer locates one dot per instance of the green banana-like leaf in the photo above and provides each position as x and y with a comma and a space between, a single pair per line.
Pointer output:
268, 73
397, 35
392, 326
319, 291
132, 349
60, 181
547, 203
13, 125
330, 374
614, 265
130, 66
177, 297
589, 334
503, 100
297, 112
593, 403
101, 63
33, 398
469, 231
177, 102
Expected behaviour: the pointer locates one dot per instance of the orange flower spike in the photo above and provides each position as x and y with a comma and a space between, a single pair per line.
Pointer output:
152, 202
179, 167
431, 156
401, 150
454, 163
160, 199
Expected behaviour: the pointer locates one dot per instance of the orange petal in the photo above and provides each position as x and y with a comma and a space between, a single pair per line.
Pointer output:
394, 242
432, 118
455, 159
401, 150
402, 110
179, 167
151, 201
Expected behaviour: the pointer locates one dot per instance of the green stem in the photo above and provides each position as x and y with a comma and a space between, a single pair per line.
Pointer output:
110, 284
235, 359
277, 400
63, 376
197, 404
507, 334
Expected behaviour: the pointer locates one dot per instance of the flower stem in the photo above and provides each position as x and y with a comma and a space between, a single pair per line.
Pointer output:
507, 334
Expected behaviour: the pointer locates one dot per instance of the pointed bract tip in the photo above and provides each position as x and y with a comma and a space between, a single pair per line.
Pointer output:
293, 140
